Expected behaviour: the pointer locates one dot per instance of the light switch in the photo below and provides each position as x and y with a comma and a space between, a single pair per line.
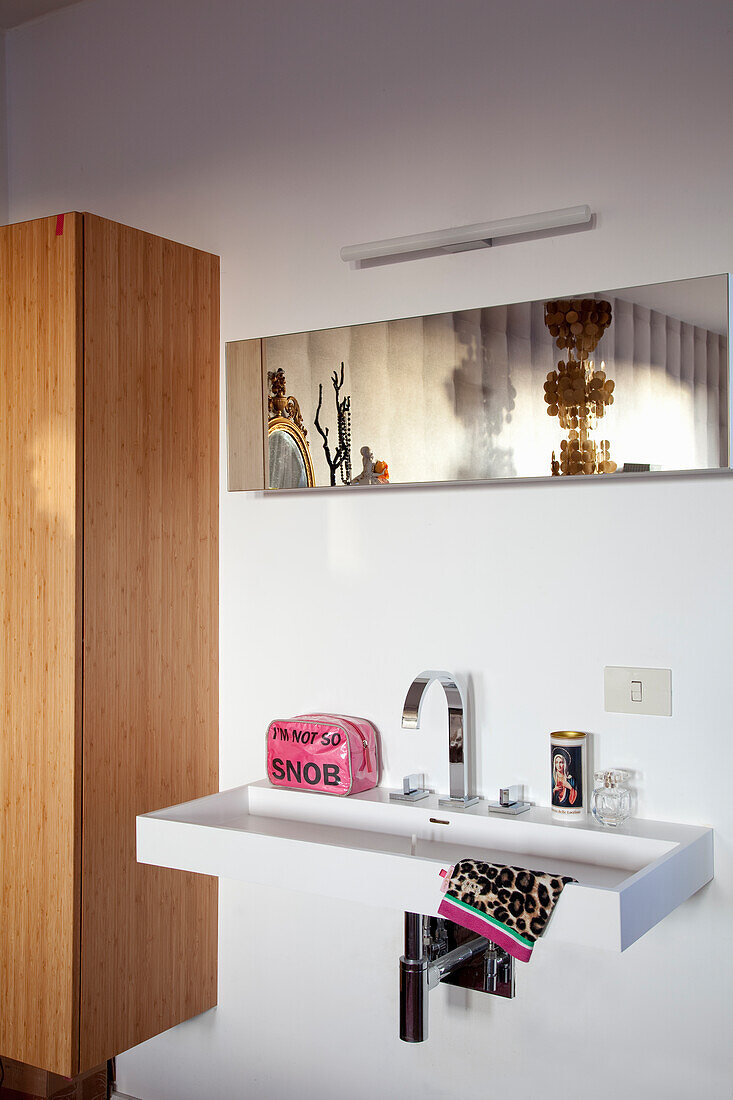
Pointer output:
638, 690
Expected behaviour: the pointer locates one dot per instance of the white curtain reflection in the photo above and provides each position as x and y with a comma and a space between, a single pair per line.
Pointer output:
670, 407
460, 395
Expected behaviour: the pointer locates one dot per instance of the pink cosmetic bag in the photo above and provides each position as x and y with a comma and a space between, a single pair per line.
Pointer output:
330, 753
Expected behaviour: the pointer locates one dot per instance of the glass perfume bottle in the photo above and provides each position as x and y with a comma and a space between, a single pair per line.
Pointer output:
611, 802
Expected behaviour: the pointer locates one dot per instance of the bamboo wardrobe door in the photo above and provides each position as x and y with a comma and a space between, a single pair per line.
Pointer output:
40, 670
151, 490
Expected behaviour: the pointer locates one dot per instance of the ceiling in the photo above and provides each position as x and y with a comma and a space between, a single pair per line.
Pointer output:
15, 12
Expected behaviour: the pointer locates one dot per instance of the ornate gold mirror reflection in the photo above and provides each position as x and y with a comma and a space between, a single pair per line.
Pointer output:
290, 464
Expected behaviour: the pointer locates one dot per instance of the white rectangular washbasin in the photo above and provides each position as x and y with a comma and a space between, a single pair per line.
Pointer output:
368, 849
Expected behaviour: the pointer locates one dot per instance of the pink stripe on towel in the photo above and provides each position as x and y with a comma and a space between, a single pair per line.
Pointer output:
484, 927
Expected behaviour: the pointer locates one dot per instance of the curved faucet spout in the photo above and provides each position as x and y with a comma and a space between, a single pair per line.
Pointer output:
416, 694
456, 737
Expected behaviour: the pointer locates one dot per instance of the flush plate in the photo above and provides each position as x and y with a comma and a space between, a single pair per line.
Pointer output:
638, 690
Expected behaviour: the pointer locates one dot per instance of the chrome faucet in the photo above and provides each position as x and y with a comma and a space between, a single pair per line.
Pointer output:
459, 796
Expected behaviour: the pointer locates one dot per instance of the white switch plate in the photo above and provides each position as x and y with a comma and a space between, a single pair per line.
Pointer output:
621, 688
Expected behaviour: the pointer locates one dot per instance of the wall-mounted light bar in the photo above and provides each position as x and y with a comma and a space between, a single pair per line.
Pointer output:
465, 237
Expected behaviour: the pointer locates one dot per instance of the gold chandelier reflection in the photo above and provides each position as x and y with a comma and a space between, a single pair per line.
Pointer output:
576, 393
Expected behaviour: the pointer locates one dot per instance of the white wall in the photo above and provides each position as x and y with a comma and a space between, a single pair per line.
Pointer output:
273, 133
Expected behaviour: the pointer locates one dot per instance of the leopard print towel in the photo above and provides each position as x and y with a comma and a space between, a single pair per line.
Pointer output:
509, 905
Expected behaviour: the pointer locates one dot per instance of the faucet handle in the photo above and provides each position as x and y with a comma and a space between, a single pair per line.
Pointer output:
510, 802
412, 789
509, 795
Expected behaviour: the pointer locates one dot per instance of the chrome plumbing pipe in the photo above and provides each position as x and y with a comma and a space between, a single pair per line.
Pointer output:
414, 982
418, 974
459, 956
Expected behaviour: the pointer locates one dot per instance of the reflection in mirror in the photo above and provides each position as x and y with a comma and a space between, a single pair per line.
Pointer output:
603, 382
287, 466
290, 465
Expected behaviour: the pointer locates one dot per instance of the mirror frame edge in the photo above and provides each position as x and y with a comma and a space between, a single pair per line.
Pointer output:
729, 458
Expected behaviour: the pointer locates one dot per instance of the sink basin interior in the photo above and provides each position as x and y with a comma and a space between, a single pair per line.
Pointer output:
424, 830
446, 851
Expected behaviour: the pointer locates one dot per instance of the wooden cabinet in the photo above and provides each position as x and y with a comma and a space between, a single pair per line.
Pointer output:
109, 417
